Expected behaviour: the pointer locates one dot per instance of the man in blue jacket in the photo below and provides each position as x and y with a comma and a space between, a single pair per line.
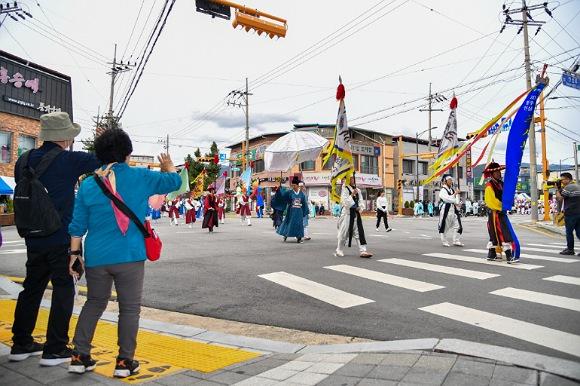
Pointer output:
47, 257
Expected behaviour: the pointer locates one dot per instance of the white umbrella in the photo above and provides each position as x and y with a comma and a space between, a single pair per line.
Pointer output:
293, 148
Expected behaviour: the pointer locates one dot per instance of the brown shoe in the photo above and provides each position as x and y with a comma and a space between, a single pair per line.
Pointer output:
366, 255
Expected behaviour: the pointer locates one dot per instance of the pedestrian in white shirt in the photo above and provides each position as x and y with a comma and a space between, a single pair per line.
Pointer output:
449, 217
382, 211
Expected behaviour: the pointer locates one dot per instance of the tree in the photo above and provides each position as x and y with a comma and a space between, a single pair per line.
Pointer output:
212, 168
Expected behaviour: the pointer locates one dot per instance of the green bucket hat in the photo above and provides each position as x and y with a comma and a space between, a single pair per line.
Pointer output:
57, 126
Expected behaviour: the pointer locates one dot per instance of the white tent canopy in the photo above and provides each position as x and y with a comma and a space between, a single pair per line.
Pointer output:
293, 148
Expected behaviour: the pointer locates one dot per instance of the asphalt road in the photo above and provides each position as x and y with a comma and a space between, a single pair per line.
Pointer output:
218, 275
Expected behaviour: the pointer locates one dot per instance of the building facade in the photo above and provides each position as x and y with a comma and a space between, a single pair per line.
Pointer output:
372, 156
415, 168
27, 90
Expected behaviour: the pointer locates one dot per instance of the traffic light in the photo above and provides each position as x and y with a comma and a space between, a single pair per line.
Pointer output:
260, 24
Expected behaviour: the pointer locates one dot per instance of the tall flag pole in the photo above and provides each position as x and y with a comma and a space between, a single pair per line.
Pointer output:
449, 143
343, 167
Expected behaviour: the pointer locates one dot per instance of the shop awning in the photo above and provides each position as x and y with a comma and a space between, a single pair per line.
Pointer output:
5, 189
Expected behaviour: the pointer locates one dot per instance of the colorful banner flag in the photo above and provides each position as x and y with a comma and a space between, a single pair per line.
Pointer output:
220, 184
246, 177
343, 164
449, 143
184, 188
446, 164
517, 139
198, 184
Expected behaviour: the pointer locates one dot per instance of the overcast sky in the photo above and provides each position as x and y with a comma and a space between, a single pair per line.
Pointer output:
386, 57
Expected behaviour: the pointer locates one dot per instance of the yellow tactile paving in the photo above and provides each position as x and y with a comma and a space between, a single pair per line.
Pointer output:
159, 355
82, 289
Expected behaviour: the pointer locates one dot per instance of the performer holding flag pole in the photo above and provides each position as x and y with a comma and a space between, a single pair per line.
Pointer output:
350, 198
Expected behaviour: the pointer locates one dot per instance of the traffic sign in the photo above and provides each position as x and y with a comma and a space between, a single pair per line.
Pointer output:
571, 79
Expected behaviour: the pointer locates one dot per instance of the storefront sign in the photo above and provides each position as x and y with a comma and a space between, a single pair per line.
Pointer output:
18, 80
377, 151
30, 90
41, 106
469, 170
371, 180
362, 149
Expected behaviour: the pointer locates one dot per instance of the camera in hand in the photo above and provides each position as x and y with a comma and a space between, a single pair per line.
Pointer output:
557, 183
78, 268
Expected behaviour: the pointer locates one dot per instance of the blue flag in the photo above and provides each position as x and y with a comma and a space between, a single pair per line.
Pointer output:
517, 139
246, 177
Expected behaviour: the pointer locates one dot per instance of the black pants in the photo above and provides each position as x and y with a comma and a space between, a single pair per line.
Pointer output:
572, 225
50, 264
382, 216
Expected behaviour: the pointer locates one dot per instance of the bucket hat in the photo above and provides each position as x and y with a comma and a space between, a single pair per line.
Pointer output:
57, 126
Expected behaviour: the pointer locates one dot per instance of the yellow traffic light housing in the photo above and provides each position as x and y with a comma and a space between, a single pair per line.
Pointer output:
260, 25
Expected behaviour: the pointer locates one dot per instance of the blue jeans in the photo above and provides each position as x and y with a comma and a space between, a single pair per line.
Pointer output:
572, 224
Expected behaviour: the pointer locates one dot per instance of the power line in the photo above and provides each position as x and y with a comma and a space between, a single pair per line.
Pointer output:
133, 30
17, 42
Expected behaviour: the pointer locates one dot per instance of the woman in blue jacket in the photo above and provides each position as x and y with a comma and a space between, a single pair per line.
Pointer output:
114, 246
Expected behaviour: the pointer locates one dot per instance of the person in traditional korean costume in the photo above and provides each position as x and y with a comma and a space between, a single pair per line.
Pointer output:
221, 209
350, 223
244, 209
293, 201
210, 208
500, 237
191, 207
449, 216
174, 211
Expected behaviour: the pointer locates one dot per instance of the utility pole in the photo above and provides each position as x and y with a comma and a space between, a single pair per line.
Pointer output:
116, 68
527, 20
437, 98
167, 144
242, 99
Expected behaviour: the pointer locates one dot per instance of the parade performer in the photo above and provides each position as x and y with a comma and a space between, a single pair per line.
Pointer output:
191, 206
449, 217
210, 208
500, 238
244, 209
277, 215
382, 211
307, 215
259, 201
350, 222
293, 201
221, 209
174, 211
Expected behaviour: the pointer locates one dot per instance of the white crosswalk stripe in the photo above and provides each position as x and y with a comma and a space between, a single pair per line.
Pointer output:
529, 332
316, 290
544, 250
13, 242
441, 268
564, 279
12, 251
559, 244
539, 297
397, 281
557, 247
532, 257
479, 260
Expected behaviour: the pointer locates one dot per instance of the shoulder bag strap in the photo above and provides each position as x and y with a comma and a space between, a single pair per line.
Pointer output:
122, 207
46, 160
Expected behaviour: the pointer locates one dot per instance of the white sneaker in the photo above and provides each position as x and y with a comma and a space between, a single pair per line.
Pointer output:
338, 253
378, 230
389, 229
458, 244
446, 244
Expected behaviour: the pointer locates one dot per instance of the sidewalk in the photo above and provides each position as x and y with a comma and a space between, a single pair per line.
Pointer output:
173, 354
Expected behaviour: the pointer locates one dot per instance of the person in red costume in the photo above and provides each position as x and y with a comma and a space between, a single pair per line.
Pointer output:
210, 208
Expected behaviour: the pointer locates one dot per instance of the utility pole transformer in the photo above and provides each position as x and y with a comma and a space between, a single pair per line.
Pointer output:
116, 68
527, 20
234, 100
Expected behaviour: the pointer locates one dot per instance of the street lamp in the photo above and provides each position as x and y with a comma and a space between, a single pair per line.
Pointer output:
417, 156
565, 159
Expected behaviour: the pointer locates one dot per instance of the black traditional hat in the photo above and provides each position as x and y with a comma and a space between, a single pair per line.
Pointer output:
295, 180
492, 167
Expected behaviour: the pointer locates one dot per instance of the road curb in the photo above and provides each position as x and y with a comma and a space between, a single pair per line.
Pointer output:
551, 228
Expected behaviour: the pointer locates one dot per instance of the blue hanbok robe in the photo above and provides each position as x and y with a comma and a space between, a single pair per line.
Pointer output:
296, 208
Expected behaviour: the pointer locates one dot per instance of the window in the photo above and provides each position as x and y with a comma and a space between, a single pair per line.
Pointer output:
6, 146
408, 166
259, 166
369, 164
26, 143
423, 168
328, 165
355, 161
308, 166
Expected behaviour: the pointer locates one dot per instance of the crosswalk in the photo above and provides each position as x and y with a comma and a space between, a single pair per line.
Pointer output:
433, 268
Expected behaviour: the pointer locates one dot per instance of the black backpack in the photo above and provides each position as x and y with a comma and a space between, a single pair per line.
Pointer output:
34, 211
